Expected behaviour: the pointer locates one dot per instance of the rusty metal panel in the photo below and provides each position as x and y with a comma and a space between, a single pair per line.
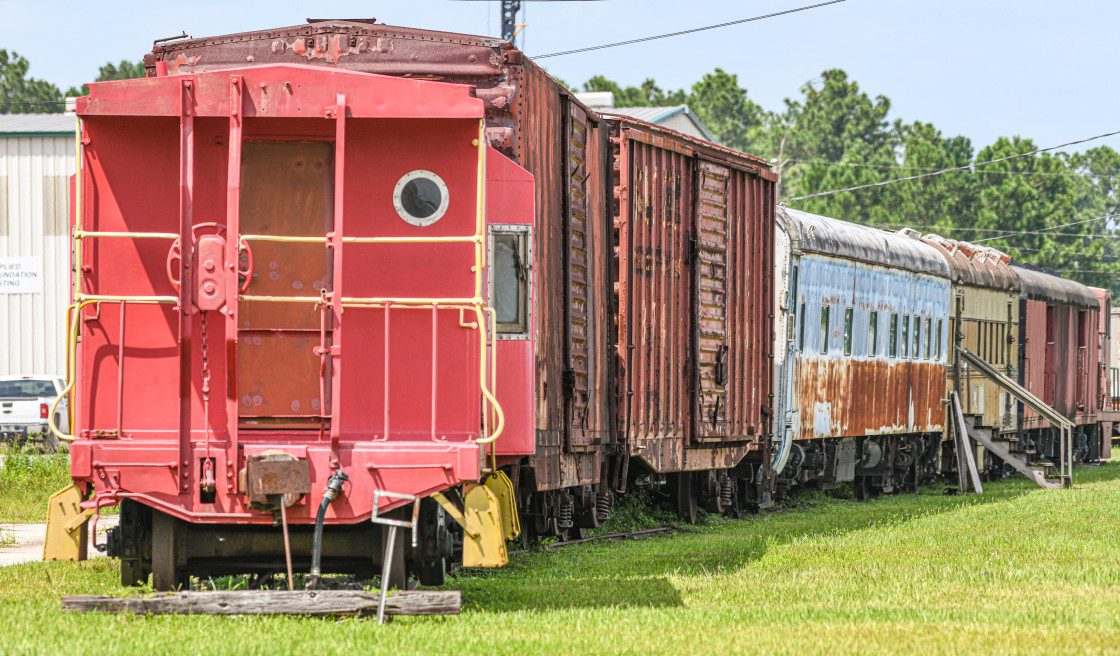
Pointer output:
277, 475
657, 289
287, 190
383, 49
578, 272
278, 375
751, 319
711, 245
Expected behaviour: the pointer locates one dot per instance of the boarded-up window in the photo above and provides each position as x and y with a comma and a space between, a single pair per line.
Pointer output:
873, 334
824, 329
3, 205
56, 205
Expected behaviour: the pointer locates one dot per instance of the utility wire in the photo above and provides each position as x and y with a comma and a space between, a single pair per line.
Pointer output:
1005, 233
683, 32
941, 171
919, 168
1042, 230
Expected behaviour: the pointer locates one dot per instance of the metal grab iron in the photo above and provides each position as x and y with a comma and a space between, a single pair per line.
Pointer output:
210, 248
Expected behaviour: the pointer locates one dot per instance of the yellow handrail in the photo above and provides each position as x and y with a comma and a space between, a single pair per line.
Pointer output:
82, 234
75, 313
463, 239
159, 300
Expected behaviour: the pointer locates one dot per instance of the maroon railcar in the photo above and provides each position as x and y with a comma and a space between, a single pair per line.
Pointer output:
1100, 447
1059, 353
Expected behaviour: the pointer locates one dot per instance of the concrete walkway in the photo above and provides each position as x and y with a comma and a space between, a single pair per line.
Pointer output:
29, 540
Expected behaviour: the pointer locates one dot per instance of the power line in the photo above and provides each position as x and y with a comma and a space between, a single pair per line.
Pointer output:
918, 168
930, 226
692, 31
1042, 230
941, 171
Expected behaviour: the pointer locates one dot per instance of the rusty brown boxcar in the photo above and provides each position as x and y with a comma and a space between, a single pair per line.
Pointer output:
694, 226
536, 122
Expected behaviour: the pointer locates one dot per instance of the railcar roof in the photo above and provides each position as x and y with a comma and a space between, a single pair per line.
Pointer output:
827, 236
710, 149
1042, 286
981, 266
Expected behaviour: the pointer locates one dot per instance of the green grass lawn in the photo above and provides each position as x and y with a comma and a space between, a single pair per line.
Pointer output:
1017, 570
26, 481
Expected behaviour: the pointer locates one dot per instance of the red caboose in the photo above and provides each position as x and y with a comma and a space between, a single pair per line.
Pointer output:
284, 272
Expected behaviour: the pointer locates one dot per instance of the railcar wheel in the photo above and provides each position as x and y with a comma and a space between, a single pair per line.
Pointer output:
431, 571
684, 493
859, 487
575, 533
168, 541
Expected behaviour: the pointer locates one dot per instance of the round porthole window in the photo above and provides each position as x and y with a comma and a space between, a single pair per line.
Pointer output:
421, 198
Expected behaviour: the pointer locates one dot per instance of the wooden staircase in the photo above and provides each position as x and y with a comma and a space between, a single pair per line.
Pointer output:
1006, 447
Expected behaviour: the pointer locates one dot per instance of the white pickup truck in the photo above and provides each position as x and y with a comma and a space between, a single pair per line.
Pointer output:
25, 404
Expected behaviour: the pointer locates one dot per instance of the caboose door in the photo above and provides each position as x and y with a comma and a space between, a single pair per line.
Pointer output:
287, 190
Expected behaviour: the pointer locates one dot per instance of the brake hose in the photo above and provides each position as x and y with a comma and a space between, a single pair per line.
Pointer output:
334, 488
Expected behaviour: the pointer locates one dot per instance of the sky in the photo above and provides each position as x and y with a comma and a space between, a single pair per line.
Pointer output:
979, 68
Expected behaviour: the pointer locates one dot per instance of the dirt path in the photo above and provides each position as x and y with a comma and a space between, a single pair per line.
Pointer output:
29, 540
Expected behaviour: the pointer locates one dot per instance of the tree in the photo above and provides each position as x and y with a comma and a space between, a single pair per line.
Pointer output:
723, 107
20, 94
126, 70
837, 136
647, 95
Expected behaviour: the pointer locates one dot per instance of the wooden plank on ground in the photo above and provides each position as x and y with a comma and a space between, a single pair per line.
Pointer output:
272, 602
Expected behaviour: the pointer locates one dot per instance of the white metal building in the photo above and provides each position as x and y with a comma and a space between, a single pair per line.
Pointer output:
36, 162
679, 117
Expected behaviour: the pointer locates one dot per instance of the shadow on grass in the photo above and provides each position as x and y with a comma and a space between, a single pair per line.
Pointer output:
635, 573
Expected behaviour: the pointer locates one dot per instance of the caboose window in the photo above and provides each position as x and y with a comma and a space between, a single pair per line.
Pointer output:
824, 329
848, 331
509, 279
893, 351
420, 198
